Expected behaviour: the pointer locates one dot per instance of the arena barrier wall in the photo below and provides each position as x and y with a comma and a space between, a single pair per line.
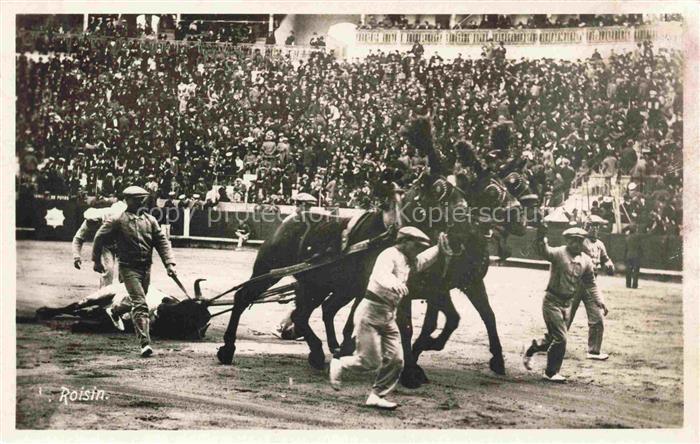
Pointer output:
58, 218
48, 217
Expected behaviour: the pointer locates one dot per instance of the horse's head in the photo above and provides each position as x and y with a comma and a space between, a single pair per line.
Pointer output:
433, 205
497, 207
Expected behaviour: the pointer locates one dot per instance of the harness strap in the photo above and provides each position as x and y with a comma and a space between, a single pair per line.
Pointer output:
303, 267
349, 228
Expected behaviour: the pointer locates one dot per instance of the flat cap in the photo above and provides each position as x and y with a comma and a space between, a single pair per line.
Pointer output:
134, 191
305, 197
575, 232
414, 234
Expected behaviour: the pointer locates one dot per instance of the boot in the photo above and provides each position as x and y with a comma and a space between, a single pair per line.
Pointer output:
141, 327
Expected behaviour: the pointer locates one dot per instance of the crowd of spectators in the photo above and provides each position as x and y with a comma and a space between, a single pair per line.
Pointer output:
215, 31
117, 113
534, 21
145, 25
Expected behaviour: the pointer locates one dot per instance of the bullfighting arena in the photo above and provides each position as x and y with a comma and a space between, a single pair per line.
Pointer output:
271, 385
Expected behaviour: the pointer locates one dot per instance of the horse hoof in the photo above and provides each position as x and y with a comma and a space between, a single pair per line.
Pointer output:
497, 365
347, 347
413, 377
317, 361
225, 355
335, 352
421, 376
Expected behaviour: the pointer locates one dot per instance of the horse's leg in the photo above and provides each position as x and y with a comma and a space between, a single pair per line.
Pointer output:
242, 300
330, 307
348, 346
476, 292
412, 376
309, 297
443, 303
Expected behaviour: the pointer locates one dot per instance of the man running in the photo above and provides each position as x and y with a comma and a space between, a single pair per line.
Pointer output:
569, 269
377, 335
136, 233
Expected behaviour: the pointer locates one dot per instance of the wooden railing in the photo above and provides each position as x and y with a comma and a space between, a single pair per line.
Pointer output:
668, 31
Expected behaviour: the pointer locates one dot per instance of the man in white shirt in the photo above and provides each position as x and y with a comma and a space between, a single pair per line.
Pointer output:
92, 222
376, 333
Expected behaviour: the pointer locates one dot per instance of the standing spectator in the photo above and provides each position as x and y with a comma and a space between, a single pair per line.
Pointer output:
567, 175
609, 170
633, 255
639, 173
628, 160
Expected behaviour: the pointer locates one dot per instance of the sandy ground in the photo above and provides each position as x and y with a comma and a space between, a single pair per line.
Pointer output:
272, 386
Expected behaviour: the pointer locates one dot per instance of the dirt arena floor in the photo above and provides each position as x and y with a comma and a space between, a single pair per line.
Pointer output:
272, 386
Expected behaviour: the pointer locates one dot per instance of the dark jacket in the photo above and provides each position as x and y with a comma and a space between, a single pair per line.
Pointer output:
633, 246
135, 237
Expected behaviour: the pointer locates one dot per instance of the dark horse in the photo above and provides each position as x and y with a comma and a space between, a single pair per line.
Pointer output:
303, 237
492, 205
299, 238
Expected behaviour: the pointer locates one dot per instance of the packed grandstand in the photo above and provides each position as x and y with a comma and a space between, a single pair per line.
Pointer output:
103, 113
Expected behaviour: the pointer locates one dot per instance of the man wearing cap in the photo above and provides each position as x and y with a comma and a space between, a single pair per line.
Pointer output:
93, 220
152, 185
376, 333
136, 233
595, 249
304, 203
634, 253
169, 212
197, 203
570, 268
183, 201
